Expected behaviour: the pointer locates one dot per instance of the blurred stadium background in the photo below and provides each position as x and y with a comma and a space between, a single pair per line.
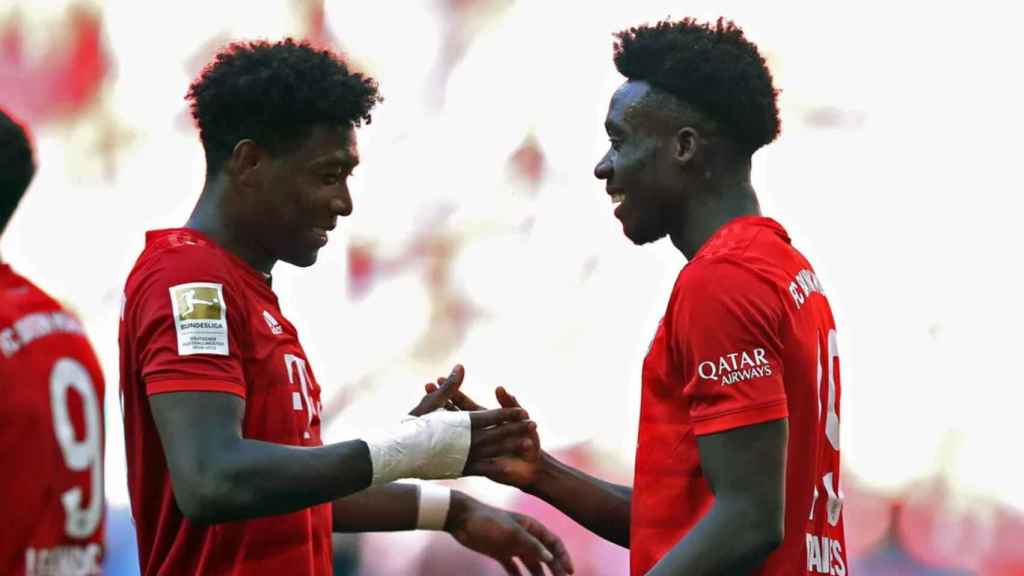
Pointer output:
481, 237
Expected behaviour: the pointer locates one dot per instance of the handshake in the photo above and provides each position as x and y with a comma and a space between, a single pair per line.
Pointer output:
448, 436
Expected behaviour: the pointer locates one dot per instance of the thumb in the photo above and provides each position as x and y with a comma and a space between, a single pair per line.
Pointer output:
505, 399
458, 373
450, 385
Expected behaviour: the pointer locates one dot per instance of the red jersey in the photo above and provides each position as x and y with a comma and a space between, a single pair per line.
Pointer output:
748, 337
197, 318
51, 437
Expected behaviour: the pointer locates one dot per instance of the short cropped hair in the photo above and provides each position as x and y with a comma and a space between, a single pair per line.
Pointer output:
710, 67
274, 94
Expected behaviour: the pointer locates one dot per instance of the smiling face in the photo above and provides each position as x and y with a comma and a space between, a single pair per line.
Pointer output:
296, 197
639, 170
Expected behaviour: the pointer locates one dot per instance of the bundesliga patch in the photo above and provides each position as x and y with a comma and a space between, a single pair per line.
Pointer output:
200, 318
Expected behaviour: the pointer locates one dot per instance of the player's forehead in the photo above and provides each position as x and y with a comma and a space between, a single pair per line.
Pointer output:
330, 145
624, 103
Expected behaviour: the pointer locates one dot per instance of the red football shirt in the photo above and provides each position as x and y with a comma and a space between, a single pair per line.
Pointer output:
51, 437
197, 318
748, 337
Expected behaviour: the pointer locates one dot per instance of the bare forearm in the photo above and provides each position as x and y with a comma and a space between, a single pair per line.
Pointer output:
254, 478
601, 507
378, 509
729, 539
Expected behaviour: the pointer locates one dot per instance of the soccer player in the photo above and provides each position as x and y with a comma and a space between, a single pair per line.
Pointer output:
737, 462
227, 471
51, 416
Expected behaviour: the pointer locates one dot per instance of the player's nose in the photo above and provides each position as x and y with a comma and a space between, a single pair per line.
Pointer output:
342, 205
603, 170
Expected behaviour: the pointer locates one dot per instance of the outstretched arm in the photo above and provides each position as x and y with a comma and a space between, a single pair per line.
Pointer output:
218, 475
484, 529
600, 506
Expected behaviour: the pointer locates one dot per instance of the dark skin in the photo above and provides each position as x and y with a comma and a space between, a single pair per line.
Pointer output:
682, 179
265, 208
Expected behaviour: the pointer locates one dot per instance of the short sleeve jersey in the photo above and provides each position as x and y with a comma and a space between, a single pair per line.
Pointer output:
51, 437
748, 337
197, 318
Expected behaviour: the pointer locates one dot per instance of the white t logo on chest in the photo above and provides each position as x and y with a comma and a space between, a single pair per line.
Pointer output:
301, 399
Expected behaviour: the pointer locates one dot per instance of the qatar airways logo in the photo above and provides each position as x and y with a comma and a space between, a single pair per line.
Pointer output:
736, 367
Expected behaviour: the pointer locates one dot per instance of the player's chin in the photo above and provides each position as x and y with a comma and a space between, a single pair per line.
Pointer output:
303, 258
640, 235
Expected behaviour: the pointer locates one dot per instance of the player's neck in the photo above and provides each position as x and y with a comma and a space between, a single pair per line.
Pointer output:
726, 200
210, 216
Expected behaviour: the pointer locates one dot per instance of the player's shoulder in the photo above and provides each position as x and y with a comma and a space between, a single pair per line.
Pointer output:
722, 277
178, 256
19, 296
28, 314
747, 253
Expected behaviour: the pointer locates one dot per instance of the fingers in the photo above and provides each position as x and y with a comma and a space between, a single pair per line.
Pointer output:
563, 562
510, 447
505, 399
532, 553
439, 394
487, 418
457, 375
487, 467
451, 384
534, 568
465, 402
507, 439
510, 567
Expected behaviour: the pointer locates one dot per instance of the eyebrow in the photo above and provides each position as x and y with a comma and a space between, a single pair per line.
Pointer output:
335, 161
612, 127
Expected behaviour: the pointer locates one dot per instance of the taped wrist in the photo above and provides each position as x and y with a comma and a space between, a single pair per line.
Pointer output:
434, 502
429, 447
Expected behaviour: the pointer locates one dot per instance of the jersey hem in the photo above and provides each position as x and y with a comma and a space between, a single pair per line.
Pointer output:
738, 418
194, 385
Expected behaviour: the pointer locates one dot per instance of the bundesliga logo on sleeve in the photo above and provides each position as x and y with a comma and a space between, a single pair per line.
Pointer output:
736, 367
200, 318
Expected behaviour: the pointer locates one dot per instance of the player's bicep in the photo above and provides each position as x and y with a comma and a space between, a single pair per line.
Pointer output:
746, 469
195, 428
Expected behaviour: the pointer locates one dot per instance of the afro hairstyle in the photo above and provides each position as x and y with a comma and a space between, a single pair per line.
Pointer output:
274, 94
711, 67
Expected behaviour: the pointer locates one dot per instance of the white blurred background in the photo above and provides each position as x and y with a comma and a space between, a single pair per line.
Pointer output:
480, 235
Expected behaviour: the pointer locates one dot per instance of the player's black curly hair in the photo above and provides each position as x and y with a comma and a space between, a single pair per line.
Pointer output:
274, 93
18, 166
711, 67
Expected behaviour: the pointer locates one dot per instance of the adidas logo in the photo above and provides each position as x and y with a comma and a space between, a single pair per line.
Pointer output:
272, 322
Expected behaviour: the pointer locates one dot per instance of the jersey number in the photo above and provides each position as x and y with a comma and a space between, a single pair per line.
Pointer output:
301, 400
834, 506
80, 518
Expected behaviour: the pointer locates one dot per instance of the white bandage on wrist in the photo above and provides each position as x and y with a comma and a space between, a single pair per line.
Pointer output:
430, 447
433, 507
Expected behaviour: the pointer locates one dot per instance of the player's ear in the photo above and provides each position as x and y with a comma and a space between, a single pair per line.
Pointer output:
686, 143
247, 159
